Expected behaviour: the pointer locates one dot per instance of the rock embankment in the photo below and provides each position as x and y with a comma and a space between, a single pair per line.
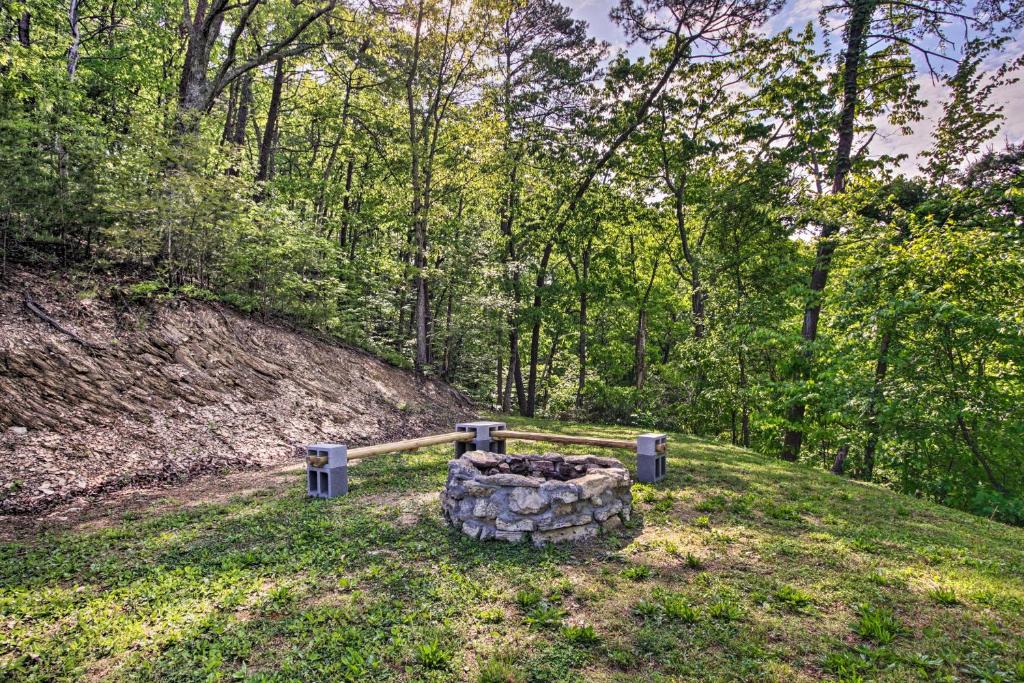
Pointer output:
159, 391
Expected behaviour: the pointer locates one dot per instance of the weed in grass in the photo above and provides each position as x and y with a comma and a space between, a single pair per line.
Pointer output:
665, 503
677, 608
656, 641
644, 493
781, 511
621, 657
880, 578
648, 609
725, 609
544, 616
712, 504
528, 599
667, 606
432, 655
580, 635
637, 572
848, 667
356, 666
492, 615
704, 522
694, 562
670, 547
500, 669
877, 624
793, 598
560, 590
944, 595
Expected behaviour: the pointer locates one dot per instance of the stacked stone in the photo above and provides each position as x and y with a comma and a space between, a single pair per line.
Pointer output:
541, 508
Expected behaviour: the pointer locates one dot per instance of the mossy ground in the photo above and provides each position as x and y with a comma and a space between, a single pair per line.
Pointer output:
735, 567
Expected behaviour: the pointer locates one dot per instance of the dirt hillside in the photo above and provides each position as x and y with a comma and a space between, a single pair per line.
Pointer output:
161, 391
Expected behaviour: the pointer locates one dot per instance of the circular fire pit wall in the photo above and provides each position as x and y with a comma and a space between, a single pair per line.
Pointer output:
542, 498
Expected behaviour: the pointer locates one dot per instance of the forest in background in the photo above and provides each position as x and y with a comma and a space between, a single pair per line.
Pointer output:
708, 238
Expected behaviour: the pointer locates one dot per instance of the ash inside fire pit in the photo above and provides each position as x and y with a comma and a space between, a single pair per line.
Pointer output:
542, 498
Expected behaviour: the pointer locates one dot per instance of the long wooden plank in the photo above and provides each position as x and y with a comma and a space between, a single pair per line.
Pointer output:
410, 444
501, 434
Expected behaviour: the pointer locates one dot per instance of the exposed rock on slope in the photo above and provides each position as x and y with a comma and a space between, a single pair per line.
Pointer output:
179, 388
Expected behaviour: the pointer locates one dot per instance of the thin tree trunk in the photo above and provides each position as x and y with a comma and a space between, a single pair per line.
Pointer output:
874, 405
531, 389
857, 30
76, 38
972, 443
745, 409
640, 350
25, 29
582, 348
840, 462
498, 375
265, 167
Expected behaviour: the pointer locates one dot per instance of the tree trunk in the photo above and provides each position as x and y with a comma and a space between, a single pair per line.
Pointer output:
582, 349
76, 38
264, 170
840, 462
745, 410
531, 389
640, 350
515, 374
857, 29
25, 29
881, 368
972, 443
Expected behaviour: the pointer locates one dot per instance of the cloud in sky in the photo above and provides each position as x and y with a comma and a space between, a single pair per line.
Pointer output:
795, 14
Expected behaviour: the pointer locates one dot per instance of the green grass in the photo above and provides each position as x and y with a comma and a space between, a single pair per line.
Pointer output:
733, 568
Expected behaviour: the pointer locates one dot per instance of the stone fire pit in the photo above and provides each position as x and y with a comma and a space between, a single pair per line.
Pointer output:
542, 498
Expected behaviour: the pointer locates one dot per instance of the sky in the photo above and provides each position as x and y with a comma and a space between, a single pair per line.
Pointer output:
796, 14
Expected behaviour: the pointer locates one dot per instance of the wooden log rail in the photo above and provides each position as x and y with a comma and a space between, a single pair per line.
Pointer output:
508, 434
497, 435
397, 446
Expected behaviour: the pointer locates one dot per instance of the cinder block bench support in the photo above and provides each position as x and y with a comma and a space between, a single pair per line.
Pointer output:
650, 457
484, 439
328, 478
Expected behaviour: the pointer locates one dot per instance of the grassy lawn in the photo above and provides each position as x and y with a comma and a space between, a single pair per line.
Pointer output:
734, 568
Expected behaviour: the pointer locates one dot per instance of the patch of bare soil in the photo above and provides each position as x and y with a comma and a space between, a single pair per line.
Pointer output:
158, 393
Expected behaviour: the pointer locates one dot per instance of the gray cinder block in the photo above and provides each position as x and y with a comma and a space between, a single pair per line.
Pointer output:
326, 482
336, 453
483, 440
650, 464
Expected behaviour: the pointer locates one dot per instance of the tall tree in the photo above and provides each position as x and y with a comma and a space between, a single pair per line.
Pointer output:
874, 30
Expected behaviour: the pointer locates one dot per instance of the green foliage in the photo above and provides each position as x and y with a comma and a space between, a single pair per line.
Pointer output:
544, 616
500, 670
433, 655
455, 173
877, 624
270, 586
944, 595
637, 572
581, 635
